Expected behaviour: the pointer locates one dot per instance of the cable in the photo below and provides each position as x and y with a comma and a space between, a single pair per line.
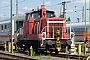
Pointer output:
53, 5
12, 4
21, 1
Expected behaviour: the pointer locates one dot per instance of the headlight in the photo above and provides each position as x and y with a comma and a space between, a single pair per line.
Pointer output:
43, 35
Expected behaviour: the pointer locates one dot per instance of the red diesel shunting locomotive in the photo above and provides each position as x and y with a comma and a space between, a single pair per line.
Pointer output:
44, 31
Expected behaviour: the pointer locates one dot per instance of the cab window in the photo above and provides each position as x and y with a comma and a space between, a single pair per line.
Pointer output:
27, 16
35, 15
49, 14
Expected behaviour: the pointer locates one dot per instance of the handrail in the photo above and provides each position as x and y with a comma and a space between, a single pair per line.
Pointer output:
53, 27
38, 27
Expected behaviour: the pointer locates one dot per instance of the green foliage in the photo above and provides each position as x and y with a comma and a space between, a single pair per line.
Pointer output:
68, 58
68, 20
89, 50
82, 49
49, 56
61, 16
33, 53
79, 58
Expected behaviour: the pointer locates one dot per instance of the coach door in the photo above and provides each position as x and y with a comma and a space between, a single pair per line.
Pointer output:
19, 27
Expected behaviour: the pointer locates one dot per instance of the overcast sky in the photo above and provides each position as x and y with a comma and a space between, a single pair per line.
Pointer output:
27, 5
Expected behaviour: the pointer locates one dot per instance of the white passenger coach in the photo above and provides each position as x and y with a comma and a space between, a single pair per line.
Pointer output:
79, 29
5, 26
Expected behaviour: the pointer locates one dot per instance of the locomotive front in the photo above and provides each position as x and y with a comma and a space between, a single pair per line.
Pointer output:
54, 32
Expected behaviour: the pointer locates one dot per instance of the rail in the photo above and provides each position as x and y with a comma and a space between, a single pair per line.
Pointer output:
8, 56
81, 57
69, 56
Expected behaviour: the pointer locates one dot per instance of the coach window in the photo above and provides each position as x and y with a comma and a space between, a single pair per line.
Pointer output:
1, 27
68, 30
5, 27
9, 26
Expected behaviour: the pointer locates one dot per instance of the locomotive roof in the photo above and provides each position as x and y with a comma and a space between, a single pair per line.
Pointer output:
46, 11
39, 11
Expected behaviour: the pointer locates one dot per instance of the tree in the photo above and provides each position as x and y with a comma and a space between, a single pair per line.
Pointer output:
68, 20
61, 16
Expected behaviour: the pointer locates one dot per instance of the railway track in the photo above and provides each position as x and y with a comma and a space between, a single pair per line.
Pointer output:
15, 56
9, 56
69, 56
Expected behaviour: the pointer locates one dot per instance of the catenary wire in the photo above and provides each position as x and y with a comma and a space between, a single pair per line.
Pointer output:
12, 4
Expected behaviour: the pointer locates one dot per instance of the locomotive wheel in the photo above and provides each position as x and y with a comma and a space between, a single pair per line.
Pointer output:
51, 51
56, 51
48, 45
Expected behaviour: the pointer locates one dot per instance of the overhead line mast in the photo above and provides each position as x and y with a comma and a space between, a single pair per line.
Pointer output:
16, 7
85, 15
11, 25
43, 2
63, 5
89, 10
